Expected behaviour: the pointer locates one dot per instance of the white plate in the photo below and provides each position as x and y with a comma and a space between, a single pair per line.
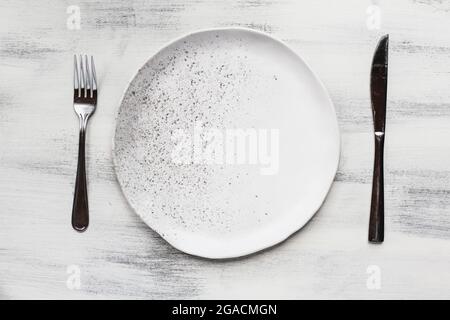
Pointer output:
203, 93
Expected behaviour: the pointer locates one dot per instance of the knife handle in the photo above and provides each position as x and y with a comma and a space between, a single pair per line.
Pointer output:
376, 222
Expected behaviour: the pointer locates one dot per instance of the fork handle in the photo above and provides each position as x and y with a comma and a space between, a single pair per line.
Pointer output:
80, 209
376, 221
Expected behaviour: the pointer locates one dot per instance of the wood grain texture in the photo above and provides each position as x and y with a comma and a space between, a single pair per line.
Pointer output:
120, 257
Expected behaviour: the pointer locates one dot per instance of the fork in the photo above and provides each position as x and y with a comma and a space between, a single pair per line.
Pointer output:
84, 104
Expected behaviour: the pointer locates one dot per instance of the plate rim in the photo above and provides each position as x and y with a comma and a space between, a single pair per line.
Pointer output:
289, 231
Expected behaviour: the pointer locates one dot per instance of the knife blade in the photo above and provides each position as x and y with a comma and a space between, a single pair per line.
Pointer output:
378, 95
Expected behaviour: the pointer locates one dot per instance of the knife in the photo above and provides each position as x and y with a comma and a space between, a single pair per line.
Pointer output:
378, 92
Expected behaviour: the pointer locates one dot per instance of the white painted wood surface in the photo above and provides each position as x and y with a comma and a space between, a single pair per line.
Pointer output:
120, 257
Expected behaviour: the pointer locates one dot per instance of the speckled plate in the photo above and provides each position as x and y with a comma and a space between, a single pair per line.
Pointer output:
226, 143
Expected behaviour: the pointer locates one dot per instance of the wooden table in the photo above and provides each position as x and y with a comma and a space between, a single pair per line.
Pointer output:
120, 257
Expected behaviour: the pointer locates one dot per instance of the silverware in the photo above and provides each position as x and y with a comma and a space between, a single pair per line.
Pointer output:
84, 104
378, 92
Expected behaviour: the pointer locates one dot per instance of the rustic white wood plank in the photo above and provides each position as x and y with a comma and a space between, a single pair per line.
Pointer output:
119, 257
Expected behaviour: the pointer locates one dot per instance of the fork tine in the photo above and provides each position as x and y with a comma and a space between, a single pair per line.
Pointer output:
88, 76
76, 84
82, 77
94, 76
